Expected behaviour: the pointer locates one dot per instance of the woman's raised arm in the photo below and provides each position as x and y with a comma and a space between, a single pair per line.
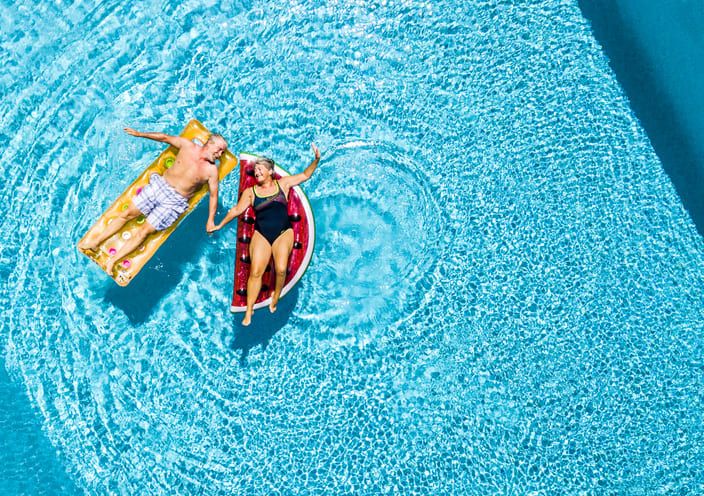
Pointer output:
295, 180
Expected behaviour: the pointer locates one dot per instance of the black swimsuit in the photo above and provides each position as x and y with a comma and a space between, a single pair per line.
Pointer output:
272, 214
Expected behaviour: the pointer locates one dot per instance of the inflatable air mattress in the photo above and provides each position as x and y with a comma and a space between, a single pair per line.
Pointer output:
129, 267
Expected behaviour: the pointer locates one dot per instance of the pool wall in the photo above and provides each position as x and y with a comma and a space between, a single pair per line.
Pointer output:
656, 49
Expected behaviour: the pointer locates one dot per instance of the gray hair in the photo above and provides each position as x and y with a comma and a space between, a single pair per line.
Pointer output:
267, 162
216, 137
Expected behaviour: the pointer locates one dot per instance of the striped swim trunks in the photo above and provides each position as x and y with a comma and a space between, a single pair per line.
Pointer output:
160, 202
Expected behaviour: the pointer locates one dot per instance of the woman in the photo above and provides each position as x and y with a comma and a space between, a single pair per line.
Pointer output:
273, 235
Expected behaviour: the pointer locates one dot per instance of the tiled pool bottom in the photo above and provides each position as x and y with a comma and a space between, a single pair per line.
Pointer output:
505, 296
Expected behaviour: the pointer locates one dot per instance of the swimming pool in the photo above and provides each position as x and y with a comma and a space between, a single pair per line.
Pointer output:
505, 296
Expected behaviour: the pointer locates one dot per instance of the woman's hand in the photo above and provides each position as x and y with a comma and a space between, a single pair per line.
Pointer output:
210, 227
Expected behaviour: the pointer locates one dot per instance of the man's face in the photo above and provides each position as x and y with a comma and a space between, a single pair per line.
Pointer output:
215, 150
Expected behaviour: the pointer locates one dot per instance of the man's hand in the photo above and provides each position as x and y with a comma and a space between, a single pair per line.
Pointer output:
132, 132
210, 227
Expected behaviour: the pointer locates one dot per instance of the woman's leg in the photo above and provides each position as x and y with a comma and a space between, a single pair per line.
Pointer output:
259, 253
281, 249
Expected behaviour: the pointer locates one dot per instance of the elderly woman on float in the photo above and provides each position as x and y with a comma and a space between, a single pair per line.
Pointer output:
273, 235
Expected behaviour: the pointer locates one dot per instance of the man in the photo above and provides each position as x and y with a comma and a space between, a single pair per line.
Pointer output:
166, 197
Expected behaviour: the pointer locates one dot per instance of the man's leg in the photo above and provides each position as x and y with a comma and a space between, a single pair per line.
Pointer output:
117, 223
260, 253
130, 246
281, 249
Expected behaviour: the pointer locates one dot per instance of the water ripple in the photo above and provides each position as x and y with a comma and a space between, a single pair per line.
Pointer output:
504, 293
378, 234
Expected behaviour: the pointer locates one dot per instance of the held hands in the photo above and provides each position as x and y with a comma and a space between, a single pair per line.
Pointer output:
210, 227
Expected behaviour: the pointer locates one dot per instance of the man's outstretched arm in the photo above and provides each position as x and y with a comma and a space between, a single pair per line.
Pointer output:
177, 141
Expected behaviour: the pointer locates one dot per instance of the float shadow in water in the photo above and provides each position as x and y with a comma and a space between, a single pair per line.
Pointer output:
164, 271
263, 327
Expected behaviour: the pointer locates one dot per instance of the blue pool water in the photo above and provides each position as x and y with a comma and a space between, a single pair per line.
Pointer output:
505, 296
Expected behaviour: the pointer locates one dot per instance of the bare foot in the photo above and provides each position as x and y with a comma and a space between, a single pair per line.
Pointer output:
87, 245
109, 265
272, 306
247, 318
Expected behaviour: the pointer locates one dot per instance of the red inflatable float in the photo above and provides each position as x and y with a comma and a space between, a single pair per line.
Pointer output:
301, 216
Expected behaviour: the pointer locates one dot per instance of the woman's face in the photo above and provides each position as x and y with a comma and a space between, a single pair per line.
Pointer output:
261, 173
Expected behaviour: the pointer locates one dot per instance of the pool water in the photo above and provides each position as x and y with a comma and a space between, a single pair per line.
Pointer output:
505, 296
